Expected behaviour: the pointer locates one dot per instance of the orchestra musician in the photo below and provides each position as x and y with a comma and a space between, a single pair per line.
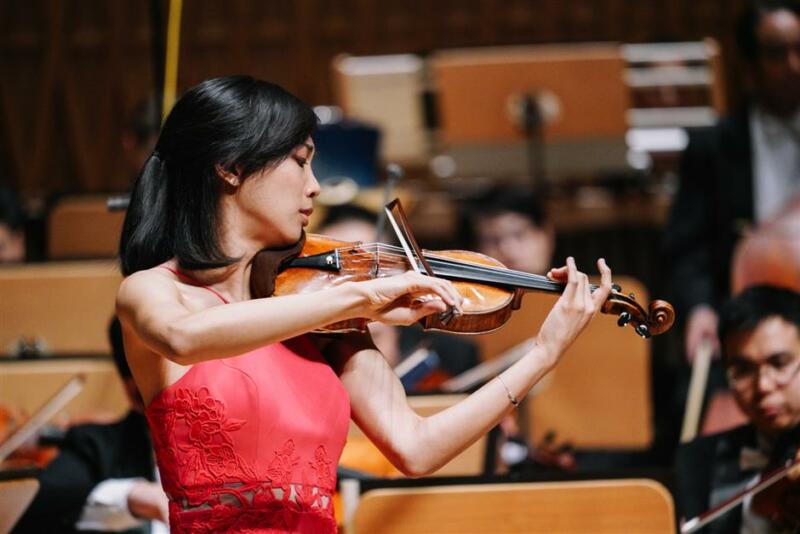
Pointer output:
247, 411
104, 478
739, 172
759, 332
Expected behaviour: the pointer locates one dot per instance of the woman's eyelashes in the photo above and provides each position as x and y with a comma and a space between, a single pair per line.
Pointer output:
301, 161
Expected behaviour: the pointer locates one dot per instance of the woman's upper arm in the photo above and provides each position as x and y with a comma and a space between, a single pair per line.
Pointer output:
148, 303
377, 398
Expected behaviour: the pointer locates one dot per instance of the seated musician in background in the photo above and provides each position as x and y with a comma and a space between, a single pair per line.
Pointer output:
104, 477
759, 333
455, 354
510, 226
740, 172
12, 226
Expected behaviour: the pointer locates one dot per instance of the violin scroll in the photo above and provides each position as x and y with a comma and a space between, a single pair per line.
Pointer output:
658, 318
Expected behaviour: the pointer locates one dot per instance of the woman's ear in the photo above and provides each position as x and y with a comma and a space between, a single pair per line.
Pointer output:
232, 178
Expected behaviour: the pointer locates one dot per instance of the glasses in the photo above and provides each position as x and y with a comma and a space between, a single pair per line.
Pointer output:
780, 369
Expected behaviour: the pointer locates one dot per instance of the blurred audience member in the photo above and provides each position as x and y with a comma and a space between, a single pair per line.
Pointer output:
510, 226
759, 331
104, 478
12, 226
741, 171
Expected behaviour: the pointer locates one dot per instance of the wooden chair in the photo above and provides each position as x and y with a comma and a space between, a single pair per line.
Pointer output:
65, 307
27, 385
608, 506
15, 497
598, 396
360, 453
82, 228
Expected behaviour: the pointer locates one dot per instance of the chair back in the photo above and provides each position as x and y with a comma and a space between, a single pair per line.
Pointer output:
600, 507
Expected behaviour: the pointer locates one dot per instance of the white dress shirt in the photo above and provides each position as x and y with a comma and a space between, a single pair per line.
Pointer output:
775, 144
106, 509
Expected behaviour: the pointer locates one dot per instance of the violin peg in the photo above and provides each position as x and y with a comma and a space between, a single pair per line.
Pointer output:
643, 331
624, 318
616, 287
632, 296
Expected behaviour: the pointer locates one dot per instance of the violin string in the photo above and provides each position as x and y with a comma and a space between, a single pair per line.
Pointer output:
497, 274
461, 268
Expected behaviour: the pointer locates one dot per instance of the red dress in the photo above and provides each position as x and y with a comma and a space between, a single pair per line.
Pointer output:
250, 444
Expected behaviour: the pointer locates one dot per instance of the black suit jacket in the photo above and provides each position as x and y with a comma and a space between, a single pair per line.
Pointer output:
712, 462
714, 204
706, 464
89, 455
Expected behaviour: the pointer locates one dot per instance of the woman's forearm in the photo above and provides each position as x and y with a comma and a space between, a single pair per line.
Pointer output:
442, 436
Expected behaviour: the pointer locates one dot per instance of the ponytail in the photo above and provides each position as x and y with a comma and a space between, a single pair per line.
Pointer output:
234, 122
147, 238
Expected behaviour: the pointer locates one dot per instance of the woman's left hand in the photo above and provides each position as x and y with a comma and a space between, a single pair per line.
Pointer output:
573, 310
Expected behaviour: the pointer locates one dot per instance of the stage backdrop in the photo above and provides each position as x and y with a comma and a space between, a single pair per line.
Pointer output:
70, 71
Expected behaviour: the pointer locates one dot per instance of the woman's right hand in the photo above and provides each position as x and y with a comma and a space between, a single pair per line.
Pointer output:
404, 299
573, 310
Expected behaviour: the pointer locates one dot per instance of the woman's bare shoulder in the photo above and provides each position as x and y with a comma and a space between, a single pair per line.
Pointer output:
147, 285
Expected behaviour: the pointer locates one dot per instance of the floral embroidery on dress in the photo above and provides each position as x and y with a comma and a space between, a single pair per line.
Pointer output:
322, 466
282, 465
213, 489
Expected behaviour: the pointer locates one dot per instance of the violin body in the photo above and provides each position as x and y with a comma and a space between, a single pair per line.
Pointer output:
484, 307
490, 292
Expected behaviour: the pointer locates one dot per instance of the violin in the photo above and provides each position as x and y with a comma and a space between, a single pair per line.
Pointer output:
774, 497
16, 438
490, 291
779, 501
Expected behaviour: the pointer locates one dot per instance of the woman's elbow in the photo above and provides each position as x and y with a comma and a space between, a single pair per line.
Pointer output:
179, 346
417, 469
414, 463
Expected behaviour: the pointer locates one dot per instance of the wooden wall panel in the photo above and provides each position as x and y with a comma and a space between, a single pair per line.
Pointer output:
71, 71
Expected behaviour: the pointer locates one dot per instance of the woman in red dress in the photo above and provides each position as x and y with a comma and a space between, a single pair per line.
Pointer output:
248, 414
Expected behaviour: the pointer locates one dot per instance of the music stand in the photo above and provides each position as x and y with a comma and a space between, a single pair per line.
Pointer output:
579, 92
386, 91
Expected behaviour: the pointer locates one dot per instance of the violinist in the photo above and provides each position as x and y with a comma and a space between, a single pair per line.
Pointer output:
248, 412
103, 479
759, 333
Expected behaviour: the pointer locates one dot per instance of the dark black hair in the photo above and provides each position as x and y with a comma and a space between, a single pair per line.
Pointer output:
11, 212
498, 201
348, 212
237, 123
747, 24
117, 348
744, 312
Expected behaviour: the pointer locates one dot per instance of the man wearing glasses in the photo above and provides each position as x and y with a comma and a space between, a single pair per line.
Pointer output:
759, 333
